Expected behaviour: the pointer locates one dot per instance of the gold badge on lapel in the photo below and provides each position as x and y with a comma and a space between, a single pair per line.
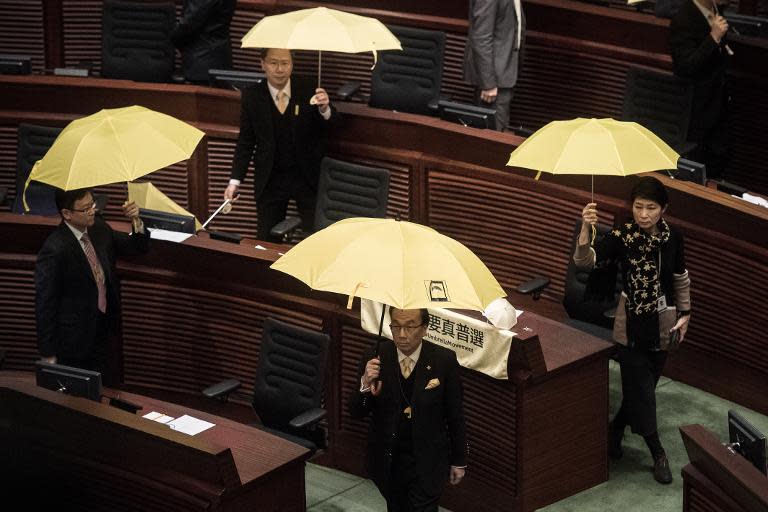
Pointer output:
433, 383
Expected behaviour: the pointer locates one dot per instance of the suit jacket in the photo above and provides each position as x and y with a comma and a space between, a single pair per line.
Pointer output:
490, 57
696, 57
202, 36
66, 295
257, 137
439, 437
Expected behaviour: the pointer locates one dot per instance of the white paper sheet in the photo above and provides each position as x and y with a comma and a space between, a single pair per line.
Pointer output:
158, 417
189, 425
170, 236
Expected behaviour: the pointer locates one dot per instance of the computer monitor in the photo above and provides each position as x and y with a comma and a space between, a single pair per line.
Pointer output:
746, 440
467, 115
167, 221
232, 79
15, 64
689, 170
69, 380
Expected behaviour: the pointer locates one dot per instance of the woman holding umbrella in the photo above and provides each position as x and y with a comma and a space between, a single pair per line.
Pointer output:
654, 307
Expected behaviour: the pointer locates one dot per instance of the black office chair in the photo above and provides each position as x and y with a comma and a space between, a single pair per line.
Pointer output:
344, 190
289, 382
408, 80
661, 103
33, 143
136, 42
589, 314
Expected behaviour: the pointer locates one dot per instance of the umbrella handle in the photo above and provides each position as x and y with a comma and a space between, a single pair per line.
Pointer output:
24, 192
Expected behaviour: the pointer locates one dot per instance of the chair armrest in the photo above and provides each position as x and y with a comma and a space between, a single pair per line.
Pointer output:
610, 313
308, 418
285, 226
434, 105
347, 90
222, 389
535, 286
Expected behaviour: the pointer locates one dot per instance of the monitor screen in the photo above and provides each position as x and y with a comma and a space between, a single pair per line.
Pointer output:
467, 115
232, 79
15, 64
167, 221
69, 380
747, 440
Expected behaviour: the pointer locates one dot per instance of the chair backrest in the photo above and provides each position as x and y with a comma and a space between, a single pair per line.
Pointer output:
576, 305
660, 102
349, 190
136, 42
34, 143
290, 373
410, 80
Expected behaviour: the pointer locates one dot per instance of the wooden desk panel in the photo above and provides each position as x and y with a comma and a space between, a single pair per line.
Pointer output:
103, 458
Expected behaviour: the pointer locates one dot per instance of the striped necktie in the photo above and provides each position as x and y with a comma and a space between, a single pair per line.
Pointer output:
98, 272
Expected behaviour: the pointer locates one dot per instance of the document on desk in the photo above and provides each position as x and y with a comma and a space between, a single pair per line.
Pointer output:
170, 236
158, 417
189, 425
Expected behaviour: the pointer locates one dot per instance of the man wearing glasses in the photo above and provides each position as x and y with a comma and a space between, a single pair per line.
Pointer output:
412, 390
77, 294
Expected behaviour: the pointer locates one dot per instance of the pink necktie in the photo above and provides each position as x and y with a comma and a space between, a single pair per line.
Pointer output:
98, 272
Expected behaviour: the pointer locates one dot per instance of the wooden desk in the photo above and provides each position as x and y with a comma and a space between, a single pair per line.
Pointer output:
91, 456
193, 314
718, 479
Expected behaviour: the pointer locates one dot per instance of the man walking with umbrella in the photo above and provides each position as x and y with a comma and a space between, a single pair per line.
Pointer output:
412, 390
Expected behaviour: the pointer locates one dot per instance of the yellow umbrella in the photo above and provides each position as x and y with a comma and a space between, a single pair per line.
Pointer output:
321, 29
149, 197
115, 145
399, 263
594, 146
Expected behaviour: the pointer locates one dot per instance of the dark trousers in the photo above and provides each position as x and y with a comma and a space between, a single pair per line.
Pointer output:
99, 356
273, 204
406, 491
640, 372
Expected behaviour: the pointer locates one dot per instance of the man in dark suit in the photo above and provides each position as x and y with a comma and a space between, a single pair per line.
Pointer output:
700, 56
492, 55
285, 120
77, 293
417, 440
202, 36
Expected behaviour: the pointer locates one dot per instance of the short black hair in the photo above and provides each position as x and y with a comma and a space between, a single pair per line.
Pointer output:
422, 311
264, 51
651, 189
66, 199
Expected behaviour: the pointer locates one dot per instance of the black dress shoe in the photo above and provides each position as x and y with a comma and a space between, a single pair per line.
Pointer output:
614, 442
661, 471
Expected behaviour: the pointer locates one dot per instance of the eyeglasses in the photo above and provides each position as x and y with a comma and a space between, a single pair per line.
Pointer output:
407, 329
84, 210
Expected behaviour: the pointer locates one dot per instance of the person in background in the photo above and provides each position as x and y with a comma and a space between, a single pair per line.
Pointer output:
492, 54
202, 37
412, 391
283, 126
77, 292
653, 312
700, 56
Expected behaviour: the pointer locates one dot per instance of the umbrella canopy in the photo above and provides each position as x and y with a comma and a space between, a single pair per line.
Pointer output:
594, 146
115, 145
149, 197
321, 29
402, 264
